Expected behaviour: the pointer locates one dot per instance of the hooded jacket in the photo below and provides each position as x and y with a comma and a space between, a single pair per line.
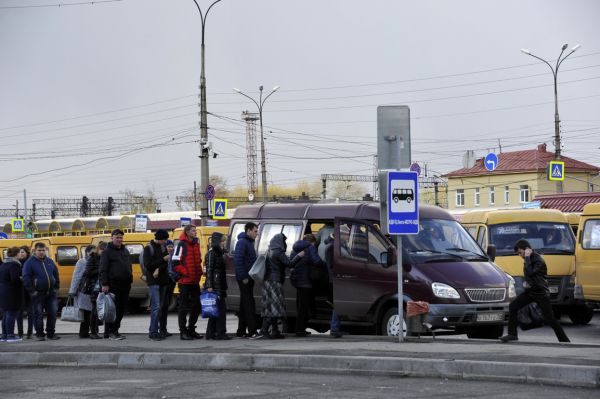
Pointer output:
40, 275
91, 275
187, 260
534, 272
11, 286
216, 273
243, 256
155, 260
277, 260
303, 266
115, 266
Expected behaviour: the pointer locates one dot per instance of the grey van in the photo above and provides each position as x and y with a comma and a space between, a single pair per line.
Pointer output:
442, 265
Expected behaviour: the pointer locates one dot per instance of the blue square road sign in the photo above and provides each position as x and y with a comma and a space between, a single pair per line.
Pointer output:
403, 203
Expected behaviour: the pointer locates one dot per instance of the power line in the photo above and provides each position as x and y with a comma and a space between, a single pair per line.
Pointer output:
82, 3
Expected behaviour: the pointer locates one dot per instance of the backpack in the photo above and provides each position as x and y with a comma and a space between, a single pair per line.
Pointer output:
144, 270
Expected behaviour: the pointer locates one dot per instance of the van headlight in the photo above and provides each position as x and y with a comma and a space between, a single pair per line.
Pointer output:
512, 292
442, 290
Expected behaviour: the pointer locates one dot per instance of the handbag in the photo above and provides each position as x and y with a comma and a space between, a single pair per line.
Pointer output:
530, 317
258, 269
210, 304
71, 312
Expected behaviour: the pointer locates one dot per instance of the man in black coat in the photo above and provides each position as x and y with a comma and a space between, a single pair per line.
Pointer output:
116, 277
156, 259
536, 290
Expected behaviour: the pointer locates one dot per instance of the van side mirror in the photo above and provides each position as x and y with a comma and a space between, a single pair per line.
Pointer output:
491, 252
388, 258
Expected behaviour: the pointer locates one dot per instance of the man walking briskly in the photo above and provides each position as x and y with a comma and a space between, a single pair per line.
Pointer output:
40, 277
243, 259
536, 290
187, 261
156, 261
116, 276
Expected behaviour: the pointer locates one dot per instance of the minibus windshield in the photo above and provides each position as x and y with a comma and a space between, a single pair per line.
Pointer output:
442, 240
544, 237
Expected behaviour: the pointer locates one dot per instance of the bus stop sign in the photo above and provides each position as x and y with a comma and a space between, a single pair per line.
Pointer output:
403, 203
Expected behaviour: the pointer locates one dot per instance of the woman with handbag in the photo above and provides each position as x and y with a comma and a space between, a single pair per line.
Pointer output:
216, 281
273, 305
77, 297
91, 287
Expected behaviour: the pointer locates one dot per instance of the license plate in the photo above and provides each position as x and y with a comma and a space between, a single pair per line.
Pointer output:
490, 317
554, 289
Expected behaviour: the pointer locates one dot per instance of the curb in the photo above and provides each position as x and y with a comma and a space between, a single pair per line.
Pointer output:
535, 373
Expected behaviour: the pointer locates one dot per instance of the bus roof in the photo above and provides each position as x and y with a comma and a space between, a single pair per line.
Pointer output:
591, 209
512, 215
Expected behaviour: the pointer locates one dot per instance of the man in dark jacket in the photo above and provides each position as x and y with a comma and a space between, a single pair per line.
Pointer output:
116, 277
536, 290
187, 261
301, 279
216, 281
243, 259
40, 277
11, 294
155, 262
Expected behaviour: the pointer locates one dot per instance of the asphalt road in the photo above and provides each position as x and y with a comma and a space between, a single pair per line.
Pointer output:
63, 383
138, 323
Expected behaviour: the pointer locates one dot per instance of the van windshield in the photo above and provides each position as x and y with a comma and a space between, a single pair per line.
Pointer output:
544, 237
441, 240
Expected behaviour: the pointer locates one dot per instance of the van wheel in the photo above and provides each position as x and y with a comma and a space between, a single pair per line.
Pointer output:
390, 324
580, 315
487, 332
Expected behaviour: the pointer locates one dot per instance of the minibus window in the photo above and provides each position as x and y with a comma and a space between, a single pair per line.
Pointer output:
4, 254
66, 256
544, 237
591, 234
472, 230
134, 252
268, 231
376, 248
353, 241
292, 232
481, 237
235, 232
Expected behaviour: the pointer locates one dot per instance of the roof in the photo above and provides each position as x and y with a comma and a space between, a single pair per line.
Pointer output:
524, 161
512, 215
567, 202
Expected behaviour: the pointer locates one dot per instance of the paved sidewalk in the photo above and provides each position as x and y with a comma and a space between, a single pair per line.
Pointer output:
557, 364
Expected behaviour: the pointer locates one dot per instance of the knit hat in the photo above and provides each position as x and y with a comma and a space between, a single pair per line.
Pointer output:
169, 242
161, 235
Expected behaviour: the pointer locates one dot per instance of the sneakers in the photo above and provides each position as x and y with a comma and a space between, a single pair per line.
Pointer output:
185, 337
336, 334
116, 337
95, 336
509, 337
40, 337
258, 336
155, 337
14, 339
194, 334
165, 334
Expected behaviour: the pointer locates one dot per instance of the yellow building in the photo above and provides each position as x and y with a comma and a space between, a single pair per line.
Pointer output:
519, 177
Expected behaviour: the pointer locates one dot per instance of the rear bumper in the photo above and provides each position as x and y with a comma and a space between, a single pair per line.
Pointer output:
467, 315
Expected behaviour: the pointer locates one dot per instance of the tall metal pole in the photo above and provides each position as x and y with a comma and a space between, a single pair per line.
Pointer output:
559, 60
263, 164
25, 204
204, 150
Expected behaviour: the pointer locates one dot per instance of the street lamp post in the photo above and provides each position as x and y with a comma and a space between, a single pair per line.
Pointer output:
261, 101
554, 70
204, 147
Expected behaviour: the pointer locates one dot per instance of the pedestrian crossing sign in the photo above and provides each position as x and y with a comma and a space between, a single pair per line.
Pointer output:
556, 171
18, 224
219, 208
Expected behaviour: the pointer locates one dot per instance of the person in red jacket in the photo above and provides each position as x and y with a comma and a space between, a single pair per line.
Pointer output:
187, 261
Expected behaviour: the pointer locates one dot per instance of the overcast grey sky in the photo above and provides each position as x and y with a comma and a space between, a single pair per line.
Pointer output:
96, 85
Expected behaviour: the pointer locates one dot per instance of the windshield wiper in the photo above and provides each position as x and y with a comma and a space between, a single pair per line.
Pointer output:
454, 256
466, 250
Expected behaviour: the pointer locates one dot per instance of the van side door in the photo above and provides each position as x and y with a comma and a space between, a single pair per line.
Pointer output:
359, 278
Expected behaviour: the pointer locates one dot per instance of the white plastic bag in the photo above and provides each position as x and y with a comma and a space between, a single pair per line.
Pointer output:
257, 272
107, 311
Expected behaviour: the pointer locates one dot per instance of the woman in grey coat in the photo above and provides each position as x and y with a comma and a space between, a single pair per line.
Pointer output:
80, 299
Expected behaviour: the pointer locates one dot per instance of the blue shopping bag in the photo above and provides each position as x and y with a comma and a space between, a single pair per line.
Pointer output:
210, 304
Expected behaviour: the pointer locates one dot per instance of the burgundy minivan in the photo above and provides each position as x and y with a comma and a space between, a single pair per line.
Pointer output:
442, 265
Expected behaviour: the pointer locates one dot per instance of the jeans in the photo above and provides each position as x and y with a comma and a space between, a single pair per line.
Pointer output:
29, 309
8, 323
335, 322
166, 294
154, 291
44, 301
247, 315
189, 303
543, 301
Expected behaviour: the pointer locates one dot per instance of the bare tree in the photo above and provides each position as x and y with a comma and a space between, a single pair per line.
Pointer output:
139, 203
185, 201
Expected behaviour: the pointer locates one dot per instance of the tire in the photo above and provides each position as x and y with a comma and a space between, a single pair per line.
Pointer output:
389, 323
580, 315
485, 332
395, 200
408, 200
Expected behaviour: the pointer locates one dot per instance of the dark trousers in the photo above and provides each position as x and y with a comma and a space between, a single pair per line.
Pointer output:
247, 315
44, 301
303, 304
28, 307
121, 293
89, 325
543, 301
8, 323
189, 303
273, 323
166, 294
216, 326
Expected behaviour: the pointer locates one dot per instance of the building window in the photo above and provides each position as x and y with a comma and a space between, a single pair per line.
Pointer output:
492, 195
524, 193
506, 195
477, 196
460, 197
